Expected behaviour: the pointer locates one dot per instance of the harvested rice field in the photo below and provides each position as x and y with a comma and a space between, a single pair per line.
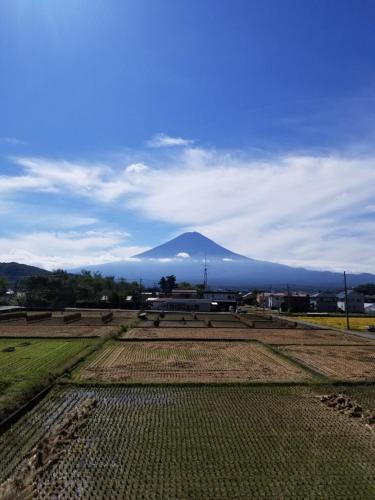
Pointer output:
271, 324
337, 362
188, 333
181, 362
47, 330
228, 324
190, 442
300, 336
216, 317
274, 336
182, 324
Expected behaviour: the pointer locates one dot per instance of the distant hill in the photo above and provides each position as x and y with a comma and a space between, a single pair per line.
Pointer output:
14, 272
184, 256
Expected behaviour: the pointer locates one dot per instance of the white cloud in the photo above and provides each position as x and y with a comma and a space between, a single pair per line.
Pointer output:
183, 255
227, 259
299, 210
312, 211
166, 141
66, 249
137, 168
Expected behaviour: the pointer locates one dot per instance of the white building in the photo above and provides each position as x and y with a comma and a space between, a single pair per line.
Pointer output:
369, 308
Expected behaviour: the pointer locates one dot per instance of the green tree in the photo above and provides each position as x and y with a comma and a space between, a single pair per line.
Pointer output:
3, 285
167, 283
200, 289
54, 290
184, 284
61, 289
366, 289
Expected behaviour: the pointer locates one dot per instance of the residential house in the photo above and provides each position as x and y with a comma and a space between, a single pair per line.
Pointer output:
274, 300
283, 301
323, 302
295, 302
355, 302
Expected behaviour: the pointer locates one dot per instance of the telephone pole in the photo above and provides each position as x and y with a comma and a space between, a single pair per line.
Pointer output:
346, 303
205, 278
140, 294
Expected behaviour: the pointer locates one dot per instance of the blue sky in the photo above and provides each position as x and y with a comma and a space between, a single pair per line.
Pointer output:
123, 123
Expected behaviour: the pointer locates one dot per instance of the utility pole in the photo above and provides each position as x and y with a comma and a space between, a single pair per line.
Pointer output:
288, 297
205, 278
140, 294
346, 303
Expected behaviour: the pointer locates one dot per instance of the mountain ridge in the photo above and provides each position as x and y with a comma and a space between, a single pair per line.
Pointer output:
13, 271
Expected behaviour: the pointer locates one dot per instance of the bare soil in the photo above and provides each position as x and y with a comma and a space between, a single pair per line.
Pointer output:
148, 362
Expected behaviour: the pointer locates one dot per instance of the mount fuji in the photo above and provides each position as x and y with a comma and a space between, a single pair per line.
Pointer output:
189, 245
184, 257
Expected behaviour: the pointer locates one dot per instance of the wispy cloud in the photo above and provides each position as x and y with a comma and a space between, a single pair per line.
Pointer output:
96, 181
11, 141
166, 141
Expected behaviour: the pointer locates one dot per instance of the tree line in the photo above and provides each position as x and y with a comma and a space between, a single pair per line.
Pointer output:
86, 289
61, 289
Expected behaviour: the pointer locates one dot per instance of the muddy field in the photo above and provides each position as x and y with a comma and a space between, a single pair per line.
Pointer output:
155, 362
193, 442
337, 362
